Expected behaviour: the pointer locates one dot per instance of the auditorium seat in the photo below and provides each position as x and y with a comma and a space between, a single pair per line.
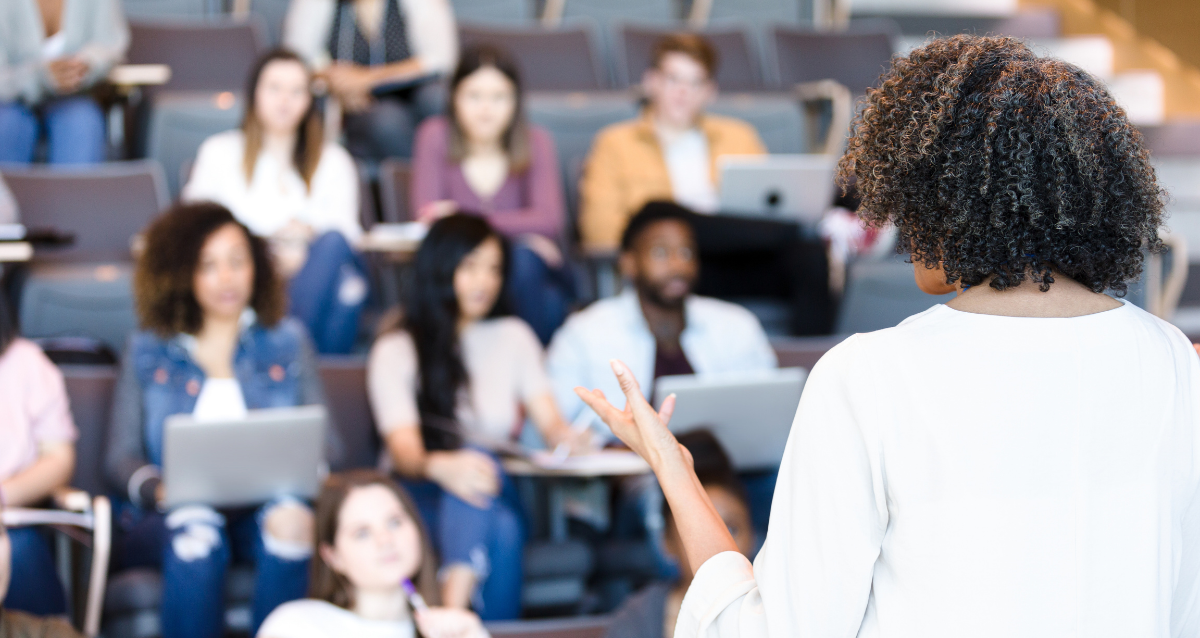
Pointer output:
880, 294
144, 9
586, 627
494, 12
738, 68
776, 117
104, 205
855, 57
208, 55
180, 121
564, 59
573, 120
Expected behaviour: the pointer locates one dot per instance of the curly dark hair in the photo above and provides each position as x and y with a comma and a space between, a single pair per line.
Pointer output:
162, 283
995, 163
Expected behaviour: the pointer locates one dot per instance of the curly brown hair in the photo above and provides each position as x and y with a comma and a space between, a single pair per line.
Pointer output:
995, 163
162, 283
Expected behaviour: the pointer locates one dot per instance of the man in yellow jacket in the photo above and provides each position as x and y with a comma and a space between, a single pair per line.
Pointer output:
669, 153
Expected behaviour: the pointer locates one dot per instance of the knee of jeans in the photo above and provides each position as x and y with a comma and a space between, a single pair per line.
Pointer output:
197, 532
287, 529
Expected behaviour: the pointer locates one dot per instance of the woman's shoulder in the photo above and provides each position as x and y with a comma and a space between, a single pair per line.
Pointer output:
508, 330
394, 344
26, 355
334, 153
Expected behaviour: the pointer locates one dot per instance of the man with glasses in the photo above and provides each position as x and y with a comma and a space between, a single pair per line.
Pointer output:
670, 152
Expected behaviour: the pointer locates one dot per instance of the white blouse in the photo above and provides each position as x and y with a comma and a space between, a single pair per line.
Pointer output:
983, 476
277, 193
319, 619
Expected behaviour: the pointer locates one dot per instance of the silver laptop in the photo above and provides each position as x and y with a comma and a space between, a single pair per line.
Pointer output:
750, 413
246, 461
786, 187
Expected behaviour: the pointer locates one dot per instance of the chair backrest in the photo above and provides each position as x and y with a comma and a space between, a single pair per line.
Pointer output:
90, 391
855, 57
564, 59
395, 178
493, 12
761, 11
880, 294
142, 9
180, 122
573, 120
586, 627
612, 12
738, 65
210, 55
1040, 22
103, 205
272, 13
776, 117
345, 381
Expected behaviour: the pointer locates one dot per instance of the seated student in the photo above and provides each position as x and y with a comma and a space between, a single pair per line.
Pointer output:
484, 156
659, 328
369, 541
52, 52
280, 178
37, 456
214, 344
16, 624
451, 381
381, 60
656, 326
669, 153
651, 613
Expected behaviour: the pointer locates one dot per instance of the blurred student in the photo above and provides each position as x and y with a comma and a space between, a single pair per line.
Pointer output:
37, 456
449, 383
670, 152
214, 344
657, 325
369, 540
280, 178
484, 156
52, 53
381, 60
14, 623
652, 612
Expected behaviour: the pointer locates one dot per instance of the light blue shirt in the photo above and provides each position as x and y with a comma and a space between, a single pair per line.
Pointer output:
718, 337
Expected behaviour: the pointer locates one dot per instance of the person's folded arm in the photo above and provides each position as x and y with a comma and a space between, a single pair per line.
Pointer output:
51, 470
109, 41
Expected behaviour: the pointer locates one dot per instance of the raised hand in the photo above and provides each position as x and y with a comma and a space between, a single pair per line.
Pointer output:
638, 425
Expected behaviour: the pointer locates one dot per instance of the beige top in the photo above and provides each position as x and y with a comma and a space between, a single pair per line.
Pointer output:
504, 365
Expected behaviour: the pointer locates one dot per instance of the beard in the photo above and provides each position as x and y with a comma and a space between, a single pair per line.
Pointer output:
654, 292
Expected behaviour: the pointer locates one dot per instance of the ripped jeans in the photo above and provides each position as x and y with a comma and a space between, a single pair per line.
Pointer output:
194, 546
490, 540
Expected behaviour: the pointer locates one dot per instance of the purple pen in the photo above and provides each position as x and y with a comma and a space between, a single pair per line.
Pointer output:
414, 597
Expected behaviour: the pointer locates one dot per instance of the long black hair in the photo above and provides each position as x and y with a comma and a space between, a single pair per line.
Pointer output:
8, 324
431, 318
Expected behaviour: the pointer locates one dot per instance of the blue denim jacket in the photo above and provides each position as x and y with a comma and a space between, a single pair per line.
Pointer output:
274, 366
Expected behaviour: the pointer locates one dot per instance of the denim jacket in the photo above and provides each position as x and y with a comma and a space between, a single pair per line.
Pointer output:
274, 366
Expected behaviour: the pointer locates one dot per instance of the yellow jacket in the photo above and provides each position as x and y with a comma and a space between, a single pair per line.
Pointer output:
626, 169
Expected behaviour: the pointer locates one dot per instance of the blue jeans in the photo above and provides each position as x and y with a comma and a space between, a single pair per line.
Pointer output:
34, 588
194, 546
74, 128
539, 294
491, 541
329, 292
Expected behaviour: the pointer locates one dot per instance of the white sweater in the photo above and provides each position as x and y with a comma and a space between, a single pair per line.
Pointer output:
277, 193
983, 476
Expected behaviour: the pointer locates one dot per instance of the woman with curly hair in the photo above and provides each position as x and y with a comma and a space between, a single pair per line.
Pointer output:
1021, 461
214, 344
